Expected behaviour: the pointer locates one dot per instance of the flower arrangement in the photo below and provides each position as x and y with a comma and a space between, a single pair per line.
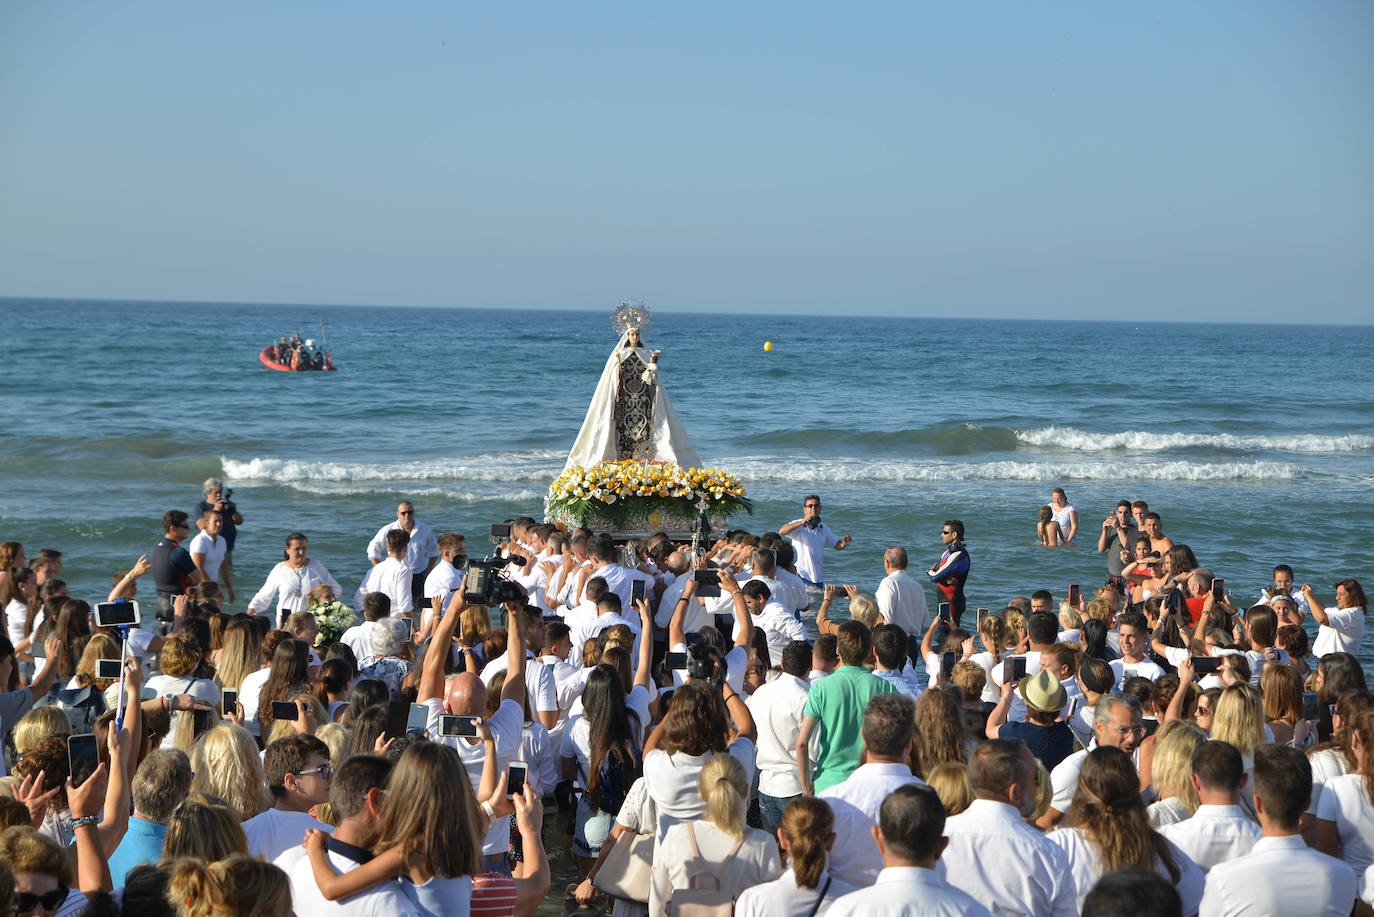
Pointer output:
617, 491
332, 618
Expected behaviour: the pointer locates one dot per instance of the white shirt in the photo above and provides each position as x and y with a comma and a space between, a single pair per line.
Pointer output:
1064, 778
272, 832
382, 900
780, 627
618, 580
1085, 863
291, 586
1214, 835
1345, 801
1326, 764
214, 548
902, 681
444, 580
423, 545
539, 681
793, 589
596, 625
390, 577
1017, 712
784, 898
694, 619
671, 781
358, 638
902, 601
754, 863
985, 840
1343, 633
506, 727
1280, 875
249, 691
908, 891
855, 802
1146, 668
809, 545
777, 711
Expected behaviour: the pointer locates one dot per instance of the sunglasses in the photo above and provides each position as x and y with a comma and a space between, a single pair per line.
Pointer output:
28, 901
407, 512
324, 770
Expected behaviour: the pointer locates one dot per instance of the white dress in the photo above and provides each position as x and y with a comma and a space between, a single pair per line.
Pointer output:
664, 440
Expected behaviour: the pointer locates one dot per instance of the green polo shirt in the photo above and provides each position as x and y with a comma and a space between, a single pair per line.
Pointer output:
837, 703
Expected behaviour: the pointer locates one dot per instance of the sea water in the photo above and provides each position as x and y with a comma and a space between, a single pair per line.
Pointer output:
1254, 442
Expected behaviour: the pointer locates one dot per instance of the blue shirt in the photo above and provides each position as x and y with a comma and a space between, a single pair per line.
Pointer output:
142, 843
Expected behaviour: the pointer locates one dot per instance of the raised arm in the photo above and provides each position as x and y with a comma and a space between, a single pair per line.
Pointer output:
440, 645
141, 566
787, 528
676, 635
742, 618
514, 688
646, 644
1317, 608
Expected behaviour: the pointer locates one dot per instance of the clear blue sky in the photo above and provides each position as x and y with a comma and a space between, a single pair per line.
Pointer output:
1208, 161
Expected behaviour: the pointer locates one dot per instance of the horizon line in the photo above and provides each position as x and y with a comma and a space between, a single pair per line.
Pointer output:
9, 298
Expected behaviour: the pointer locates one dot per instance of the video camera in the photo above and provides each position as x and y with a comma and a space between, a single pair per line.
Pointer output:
484, 584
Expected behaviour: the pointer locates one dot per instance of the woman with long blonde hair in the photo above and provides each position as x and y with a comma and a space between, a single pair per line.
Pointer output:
1175, 796
205, 827
939, 730
806, 835
1239, 720
240, 655
1106, 829
225, 763
739, 857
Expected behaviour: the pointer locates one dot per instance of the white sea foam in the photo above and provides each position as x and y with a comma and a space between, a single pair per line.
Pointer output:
504, 467
1142, 441
759, 469
453, 494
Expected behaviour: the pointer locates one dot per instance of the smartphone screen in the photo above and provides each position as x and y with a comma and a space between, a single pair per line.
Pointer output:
417, 719
500, 530
677, 661
200, 721
229, 701
116, 614
108, 668
1310, 707
1074, 594
947, 661
637, 590
1218, 589
1013, 669
82, 757
1072, 709
1206, 665
708, 583
283, 613
982, 613
460, 726
284, 710
397, 715
943, 613
515, 782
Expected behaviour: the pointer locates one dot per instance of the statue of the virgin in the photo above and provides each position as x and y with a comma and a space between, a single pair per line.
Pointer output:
630, 416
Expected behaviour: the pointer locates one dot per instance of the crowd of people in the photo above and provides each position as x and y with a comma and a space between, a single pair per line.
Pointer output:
1147, 746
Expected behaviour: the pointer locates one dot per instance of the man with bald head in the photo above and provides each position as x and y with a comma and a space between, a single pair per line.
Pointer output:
902, 601
421, 554
466, 695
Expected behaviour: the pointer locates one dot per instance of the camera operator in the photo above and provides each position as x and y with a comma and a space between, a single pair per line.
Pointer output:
217, 498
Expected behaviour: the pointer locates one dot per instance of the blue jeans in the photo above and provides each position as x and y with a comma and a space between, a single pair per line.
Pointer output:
770, 807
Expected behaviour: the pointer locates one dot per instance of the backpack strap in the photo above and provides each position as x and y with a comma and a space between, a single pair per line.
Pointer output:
819, 898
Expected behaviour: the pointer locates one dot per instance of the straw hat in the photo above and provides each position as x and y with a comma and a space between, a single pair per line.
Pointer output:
1043, 692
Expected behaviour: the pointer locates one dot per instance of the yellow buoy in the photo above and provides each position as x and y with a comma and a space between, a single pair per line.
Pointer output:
767, 346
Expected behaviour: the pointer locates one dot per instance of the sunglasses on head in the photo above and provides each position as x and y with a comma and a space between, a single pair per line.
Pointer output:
28, 901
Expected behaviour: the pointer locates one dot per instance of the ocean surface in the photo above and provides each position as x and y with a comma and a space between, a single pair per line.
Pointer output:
1254, 442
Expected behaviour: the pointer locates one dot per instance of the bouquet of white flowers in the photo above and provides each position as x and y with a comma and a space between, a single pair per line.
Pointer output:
332, 618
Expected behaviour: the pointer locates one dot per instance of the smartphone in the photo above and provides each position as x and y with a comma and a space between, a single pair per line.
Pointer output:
982, 613
460, 726
1013, 669
708, 583
1074, 594
283, 613
637, 590
108, 668
515, 781
1310, 707
397, 715
1071, 710
410, 627
228, 701
1174, 602
200, 722
500, 531
417, 718
38, 650
944, 615
284, 710
947, 661
82, 757
117, 614
677, 661
1206, 665
1218, 589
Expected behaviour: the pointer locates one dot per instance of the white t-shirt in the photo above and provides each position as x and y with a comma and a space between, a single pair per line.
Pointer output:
809, 545
1345, 801
1343, 633
539, 681
390, 577
444, 580
672, 782
272, 832
214, 548
169, 685
423, 545
249, 692
384, 900
1146, 668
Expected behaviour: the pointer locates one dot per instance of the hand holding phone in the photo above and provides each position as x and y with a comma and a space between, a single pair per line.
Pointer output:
515, 779
229, 702
82, 757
